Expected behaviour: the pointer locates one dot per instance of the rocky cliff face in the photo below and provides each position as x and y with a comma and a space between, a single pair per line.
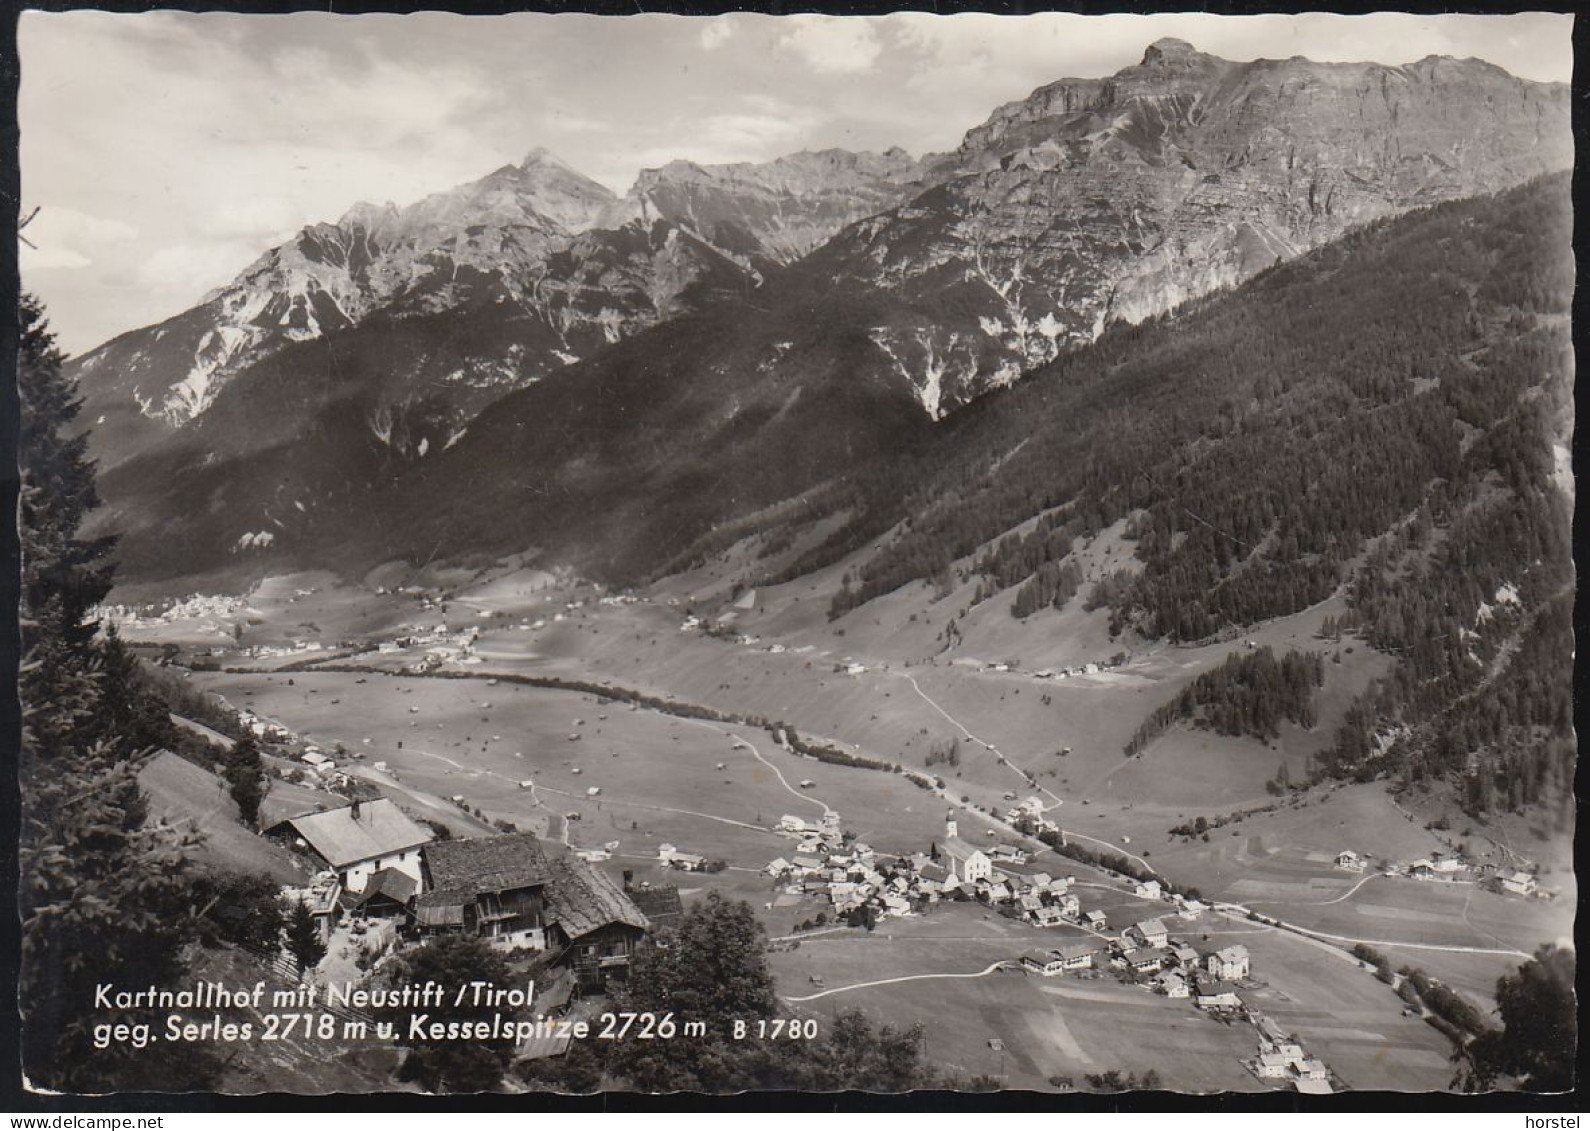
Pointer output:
773, 212
522, 238
1118, 198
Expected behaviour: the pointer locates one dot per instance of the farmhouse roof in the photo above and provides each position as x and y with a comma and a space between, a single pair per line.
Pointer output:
488, 863
1075, 950
380, 829
581, 899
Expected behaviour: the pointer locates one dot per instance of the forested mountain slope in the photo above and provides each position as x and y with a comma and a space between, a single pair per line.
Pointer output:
1389, 414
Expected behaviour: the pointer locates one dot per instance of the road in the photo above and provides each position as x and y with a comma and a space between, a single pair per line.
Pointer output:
991, 968
1069, 834
1233, 910
757, 754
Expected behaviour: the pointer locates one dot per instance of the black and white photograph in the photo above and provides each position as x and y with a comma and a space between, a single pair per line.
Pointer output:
569, 553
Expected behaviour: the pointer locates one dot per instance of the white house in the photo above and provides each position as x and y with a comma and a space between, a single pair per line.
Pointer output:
1048, 964
1148, 889
1272, 1066
1144, 961
1311, 1069
1229, 964
1350, 861
1152, 933
1519, 883
359, 840
1076, 955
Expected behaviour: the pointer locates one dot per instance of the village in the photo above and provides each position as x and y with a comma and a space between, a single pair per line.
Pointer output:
706, 821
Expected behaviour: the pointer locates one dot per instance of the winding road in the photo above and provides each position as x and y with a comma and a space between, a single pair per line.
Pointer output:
991, 968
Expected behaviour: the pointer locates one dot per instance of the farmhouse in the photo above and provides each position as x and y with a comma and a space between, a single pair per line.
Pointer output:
1350, 861
594, 925
489, 887
1174, 985
359, 840
1229, 964
1097, 920
1147, 889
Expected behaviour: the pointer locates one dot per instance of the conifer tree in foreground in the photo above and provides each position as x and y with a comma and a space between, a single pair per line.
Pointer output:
104, 897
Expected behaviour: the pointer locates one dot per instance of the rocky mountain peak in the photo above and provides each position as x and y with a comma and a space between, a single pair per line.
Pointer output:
1167, 51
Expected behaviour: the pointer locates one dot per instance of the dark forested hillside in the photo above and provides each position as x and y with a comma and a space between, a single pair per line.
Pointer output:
1386, 415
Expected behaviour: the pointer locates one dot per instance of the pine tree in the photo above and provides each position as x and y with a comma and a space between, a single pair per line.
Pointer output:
303, 938
102, 896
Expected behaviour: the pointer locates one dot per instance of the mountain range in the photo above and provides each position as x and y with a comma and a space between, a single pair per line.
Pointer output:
617, 377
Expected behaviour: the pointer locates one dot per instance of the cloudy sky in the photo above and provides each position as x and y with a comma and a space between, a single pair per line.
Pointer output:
167, 150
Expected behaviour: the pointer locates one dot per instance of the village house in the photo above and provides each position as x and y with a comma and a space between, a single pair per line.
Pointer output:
1096, 920
1147, 889
1151, 932
1174, 985
1272, 1066
1046, 963
1350, 861
1310, 1069
359, 840
1185, 956
1519, 883
1047, 916
1229, 964
1217, 996
1144, 961
1078, 955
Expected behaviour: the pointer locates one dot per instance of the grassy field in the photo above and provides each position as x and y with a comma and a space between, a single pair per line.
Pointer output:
1063, 1026
699, 786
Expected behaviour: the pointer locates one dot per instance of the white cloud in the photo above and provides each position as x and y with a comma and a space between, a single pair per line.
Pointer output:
254, 218
832, 44
65, 239
716, 33
51, 259
184, 270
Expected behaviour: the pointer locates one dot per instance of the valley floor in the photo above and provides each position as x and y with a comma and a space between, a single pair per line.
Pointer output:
597, 773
